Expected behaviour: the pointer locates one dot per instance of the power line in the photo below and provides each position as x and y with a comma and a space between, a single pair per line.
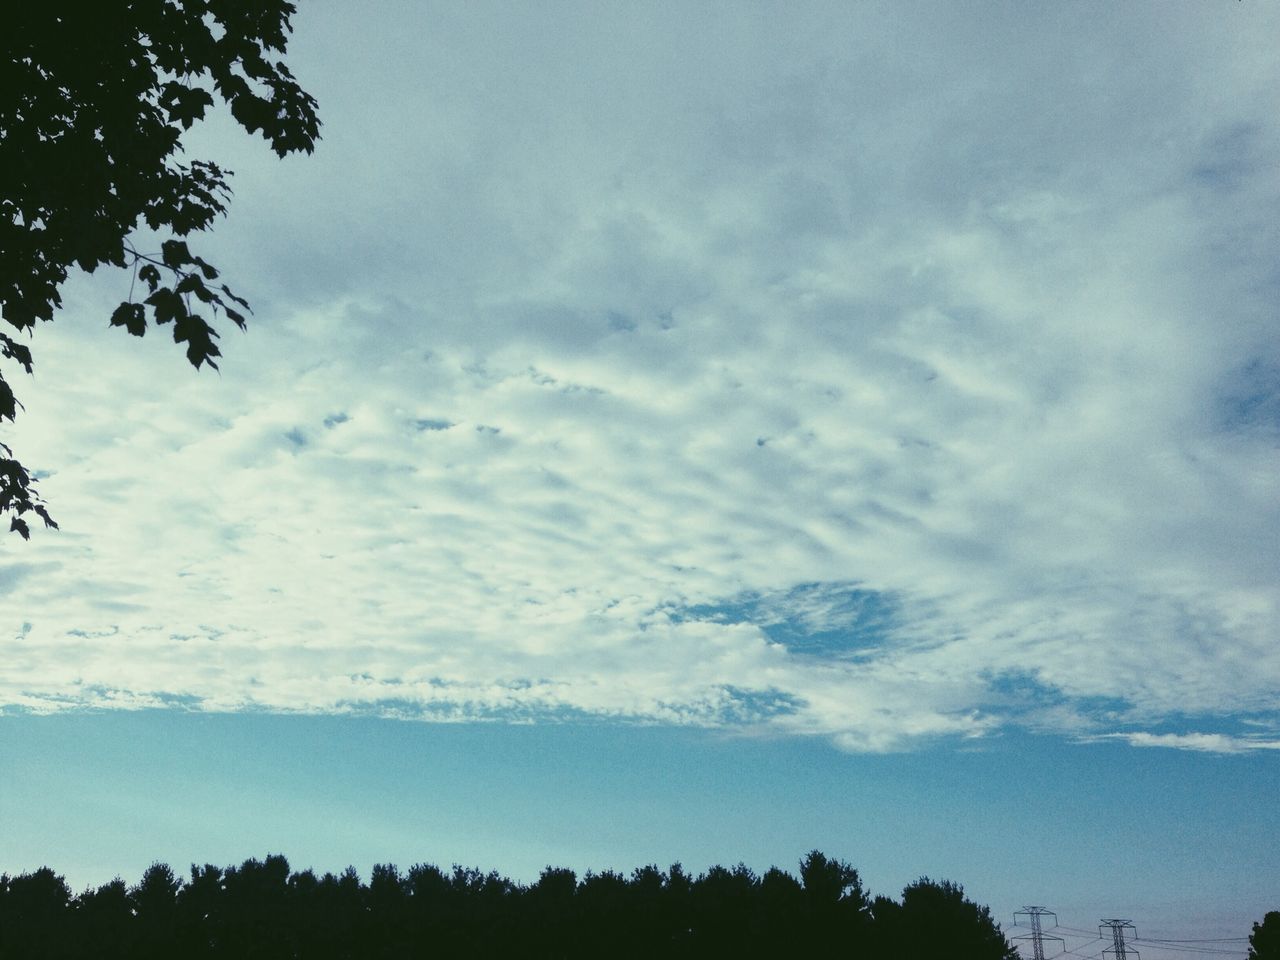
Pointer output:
1093, 956
1086, 933
1204, 950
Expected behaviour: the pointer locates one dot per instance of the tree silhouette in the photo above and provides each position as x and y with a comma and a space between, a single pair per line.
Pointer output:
261, 923
782, 914
155, 900
724, 905
94, 102
33, 914
1264, 941
550, 912
838, 907
259, 910
200, 912
933, 920
104, 922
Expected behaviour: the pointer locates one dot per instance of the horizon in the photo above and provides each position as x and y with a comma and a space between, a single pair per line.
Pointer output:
332, 792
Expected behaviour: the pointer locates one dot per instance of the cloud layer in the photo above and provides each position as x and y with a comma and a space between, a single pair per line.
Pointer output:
884, 376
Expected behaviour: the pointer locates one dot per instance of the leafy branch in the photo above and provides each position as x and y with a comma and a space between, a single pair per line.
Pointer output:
94, 102
173, 303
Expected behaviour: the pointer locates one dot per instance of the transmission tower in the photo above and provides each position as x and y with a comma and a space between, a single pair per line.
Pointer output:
1037, 936
1118, 950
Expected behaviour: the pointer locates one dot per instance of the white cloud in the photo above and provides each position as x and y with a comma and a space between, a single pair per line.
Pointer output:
599, 330
1202, 742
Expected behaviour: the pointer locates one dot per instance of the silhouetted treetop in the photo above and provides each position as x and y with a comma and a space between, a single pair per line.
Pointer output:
94, 101
935, 919
1264, 941
261, 909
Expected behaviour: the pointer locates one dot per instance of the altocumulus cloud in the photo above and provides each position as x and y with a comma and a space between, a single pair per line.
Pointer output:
885, 375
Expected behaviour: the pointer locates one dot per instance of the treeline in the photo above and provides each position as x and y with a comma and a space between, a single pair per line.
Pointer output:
262, 911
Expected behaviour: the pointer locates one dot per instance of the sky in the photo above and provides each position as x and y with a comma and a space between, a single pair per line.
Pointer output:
696, 432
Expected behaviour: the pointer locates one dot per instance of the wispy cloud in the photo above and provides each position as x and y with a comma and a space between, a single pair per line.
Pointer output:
1202, 742
758, 385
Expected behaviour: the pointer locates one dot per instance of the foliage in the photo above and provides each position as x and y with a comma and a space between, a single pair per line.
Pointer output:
935, 919
1264, 941
94, 101
261, 909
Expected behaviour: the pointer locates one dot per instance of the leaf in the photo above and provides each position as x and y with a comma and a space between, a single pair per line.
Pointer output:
240, 300
175, 254
20, 525
131, 316
150, 276
8, 402
43, 514
189, 284
167, 305
199, 337
185, 104
252, 112
15, 351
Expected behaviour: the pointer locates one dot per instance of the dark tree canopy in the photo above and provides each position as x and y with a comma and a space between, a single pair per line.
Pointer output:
261, 909
935, 919
1264, 941
94, 101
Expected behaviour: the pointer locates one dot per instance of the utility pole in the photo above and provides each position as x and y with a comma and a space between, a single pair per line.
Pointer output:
1037, 935
1117, 950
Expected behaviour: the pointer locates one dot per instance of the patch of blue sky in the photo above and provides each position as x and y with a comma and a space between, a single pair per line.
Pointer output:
755, 706
527, 703
465, 711
1251, 401
621, 323
1017, 687
96, 698
110, 631
1229, 158
176, 701
1244, 726
429, 423
839, 620
13, 574
1022, 696
1026, 687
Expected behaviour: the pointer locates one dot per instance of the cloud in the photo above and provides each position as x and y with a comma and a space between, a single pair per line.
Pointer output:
1201, 742
751, 385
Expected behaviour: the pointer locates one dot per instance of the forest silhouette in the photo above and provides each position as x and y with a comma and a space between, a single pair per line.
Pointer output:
261, 909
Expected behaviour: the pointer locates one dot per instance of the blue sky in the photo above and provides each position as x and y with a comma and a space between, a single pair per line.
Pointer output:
880, 397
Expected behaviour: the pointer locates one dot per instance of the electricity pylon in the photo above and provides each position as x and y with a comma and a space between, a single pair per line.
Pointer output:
1037, 936
1117, 950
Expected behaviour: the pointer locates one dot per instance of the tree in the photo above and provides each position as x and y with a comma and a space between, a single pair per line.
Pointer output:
155, 899
94, 101
831, 881
33, 909
839, 911
1264, 941
103, 923
935, 919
